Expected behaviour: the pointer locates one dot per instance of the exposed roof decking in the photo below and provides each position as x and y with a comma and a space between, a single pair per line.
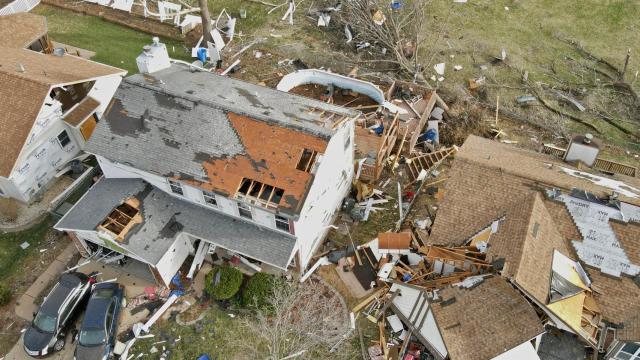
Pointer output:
165, 216
211, 132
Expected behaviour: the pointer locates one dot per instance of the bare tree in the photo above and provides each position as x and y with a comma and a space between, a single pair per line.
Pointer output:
398, 32
302, 321
206, 21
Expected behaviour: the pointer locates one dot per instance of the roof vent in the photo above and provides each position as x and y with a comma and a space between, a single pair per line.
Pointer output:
156, 41
587, 138
21, 68
58, 52
146, 49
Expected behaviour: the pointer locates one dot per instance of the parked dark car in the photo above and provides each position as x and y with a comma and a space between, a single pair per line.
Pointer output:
97, 335
57, 314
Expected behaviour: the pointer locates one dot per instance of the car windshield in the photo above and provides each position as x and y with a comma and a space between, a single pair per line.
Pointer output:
44, 322
92, 337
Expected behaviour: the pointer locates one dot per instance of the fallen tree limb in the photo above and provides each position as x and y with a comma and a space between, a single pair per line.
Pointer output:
589, 55
567, 115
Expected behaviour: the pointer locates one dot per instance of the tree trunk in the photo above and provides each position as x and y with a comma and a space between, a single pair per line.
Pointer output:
206, 22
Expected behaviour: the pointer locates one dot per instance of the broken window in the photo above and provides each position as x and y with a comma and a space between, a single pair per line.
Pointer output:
244, 210
209, 197
282, 223
63, 138
307, 160
120, 221
176, 187
256, 192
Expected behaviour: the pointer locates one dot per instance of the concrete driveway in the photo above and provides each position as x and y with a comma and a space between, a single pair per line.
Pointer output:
17, 353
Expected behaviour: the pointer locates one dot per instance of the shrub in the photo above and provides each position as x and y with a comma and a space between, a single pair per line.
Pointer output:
228, 285
5, 295
256, 294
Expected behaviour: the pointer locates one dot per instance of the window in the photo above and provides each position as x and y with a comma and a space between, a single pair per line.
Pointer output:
176, 187
244, 210
307, 160
63, 138
282, 223
209, 197
630, 351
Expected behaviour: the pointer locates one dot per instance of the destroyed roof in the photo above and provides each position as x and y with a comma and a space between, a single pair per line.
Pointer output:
81, 111
484, 321
165, 216
212, 132
544, 169
526, 240
21, 29
486, 185
23, 92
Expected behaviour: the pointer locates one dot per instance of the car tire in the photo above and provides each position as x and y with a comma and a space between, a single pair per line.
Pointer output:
59, 345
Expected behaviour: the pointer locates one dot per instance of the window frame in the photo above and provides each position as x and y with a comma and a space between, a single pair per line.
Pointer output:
281, 220
177, 184
247, 208
628, 355
209, 195
68, 138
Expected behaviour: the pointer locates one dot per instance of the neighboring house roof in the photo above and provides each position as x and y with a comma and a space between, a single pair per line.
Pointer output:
490, 181
542, 168
165, 216
23, 92
496, 319
213, 131
526, 239
21, 29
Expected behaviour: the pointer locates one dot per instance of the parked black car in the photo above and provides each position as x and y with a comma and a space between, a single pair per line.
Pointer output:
57, 314
97, 335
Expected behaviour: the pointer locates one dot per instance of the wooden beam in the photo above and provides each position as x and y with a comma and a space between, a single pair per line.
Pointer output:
369, 299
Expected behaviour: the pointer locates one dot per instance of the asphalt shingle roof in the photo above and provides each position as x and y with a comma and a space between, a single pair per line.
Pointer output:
161, 213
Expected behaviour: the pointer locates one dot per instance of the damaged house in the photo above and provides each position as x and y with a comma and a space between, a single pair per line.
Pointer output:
567, 239
195, 164
498, 323
51, 102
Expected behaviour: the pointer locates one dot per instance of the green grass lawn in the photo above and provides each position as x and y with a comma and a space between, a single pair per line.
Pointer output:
113, 44
471, 34
12, 257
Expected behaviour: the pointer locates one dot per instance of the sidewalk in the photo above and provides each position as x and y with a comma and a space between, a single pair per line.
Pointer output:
25, 306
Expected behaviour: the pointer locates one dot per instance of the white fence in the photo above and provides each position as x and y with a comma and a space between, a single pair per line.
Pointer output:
19, 6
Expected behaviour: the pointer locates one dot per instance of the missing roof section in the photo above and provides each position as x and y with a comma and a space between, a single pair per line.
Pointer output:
122, 219
307, 160
258, 193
